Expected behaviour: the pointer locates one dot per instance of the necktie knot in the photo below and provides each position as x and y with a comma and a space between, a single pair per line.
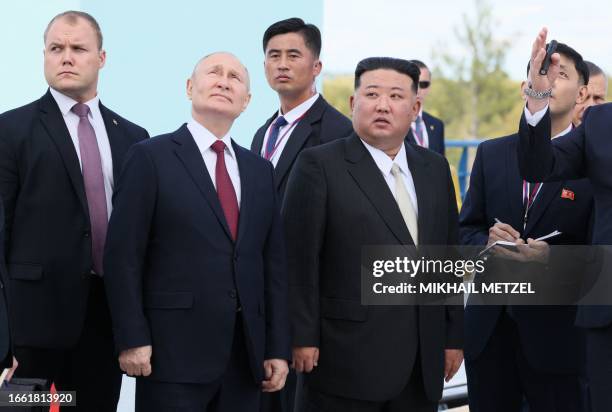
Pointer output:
395, 170
280, 122
80, 109
218, 146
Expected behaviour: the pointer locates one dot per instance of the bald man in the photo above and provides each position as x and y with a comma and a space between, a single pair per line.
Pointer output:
195, 261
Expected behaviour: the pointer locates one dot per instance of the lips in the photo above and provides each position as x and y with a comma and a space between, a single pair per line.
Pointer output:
67, 73
221, 95
382, 121
283, 78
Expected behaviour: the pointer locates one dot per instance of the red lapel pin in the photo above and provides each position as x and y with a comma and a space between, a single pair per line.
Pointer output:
567, 194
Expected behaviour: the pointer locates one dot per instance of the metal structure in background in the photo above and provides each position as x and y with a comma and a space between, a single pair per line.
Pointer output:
462, 167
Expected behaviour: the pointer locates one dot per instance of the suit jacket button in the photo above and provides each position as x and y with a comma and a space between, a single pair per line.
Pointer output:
232, 294
86, 234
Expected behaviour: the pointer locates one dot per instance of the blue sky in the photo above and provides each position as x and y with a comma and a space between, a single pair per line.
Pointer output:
353, 29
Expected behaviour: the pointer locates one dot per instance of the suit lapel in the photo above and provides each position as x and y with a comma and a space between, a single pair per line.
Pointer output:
410, 137
425, 196
189, 154
258, 140
53, 122
298, 138
119, 144
514, 189
246, 195
548, 193
370, 180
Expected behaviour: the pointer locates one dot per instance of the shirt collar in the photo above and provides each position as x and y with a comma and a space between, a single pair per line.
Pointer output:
66, 103
299, 110
384, 162
566, 131
205, 138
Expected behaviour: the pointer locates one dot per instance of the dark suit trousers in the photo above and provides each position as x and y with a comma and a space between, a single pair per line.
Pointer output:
599, 368
90, 368
500, 379
412, 398
235, 391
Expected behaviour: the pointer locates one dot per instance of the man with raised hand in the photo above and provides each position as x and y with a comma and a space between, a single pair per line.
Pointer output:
584, 152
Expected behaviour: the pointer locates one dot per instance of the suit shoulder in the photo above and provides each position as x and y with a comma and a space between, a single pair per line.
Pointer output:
19, 113
336, 124
326, 150
133, 127
429, 155
433, 118
500, 143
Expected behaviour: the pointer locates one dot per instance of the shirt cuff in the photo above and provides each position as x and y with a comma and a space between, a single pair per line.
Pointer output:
534, 119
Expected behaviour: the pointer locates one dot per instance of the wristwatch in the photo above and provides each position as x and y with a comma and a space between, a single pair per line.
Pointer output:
538, 94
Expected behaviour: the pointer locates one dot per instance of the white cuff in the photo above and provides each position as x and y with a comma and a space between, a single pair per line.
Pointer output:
534, 119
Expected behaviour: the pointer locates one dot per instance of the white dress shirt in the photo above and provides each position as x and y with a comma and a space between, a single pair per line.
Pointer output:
65, 104
425, 136
385, 163
291, 117
534, 119
205, 139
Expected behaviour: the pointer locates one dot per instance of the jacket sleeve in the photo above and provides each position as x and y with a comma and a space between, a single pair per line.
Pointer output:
126, 248
304, 213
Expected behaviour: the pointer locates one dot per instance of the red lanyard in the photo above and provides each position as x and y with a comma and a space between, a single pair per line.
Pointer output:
290, 127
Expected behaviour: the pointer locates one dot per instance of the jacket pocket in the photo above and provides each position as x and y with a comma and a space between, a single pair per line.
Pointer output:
168, 300
25, 271
344, 309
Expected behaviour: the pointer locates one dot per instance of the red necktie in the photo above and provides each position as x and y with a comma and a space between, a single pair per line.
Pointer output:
225, 189
93, 180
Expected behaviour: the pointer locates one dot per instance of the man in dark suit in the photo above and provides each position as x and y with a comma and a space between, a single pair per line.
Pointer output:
292, 64
195, 259
426, 130
304, 119
516, 352
583, 153
59, 159
369, 189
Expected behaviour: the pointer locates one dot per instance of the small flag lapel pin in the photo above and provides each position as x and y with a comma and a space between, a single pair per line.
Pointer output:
567, 194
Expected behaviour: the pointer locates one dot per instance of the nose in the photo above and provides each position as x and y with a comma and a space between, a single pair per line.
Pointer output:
67, 58
223, 83
382, 105
282, 64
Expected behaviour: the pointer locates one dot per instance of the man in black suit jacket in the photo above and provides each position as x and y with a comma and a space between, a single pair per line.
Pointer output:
586, 152
426, 130
520, 352
59, 159
340, 198
292, 64
195, 259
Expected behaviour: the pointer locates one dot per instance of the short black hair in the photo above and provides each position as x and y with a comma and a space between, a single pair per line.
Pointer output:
594, 70
399, 65
310, 33
573, 55
419, 64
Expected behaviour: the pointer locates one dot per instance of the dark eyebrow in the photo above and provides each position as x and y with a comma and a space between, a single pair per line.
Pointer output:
288, 51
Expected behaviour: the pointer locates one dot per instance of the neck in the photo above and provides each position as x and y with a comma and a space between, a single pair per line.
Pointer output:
80, 97
392, 152
559, 123
289, 103
216, 125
